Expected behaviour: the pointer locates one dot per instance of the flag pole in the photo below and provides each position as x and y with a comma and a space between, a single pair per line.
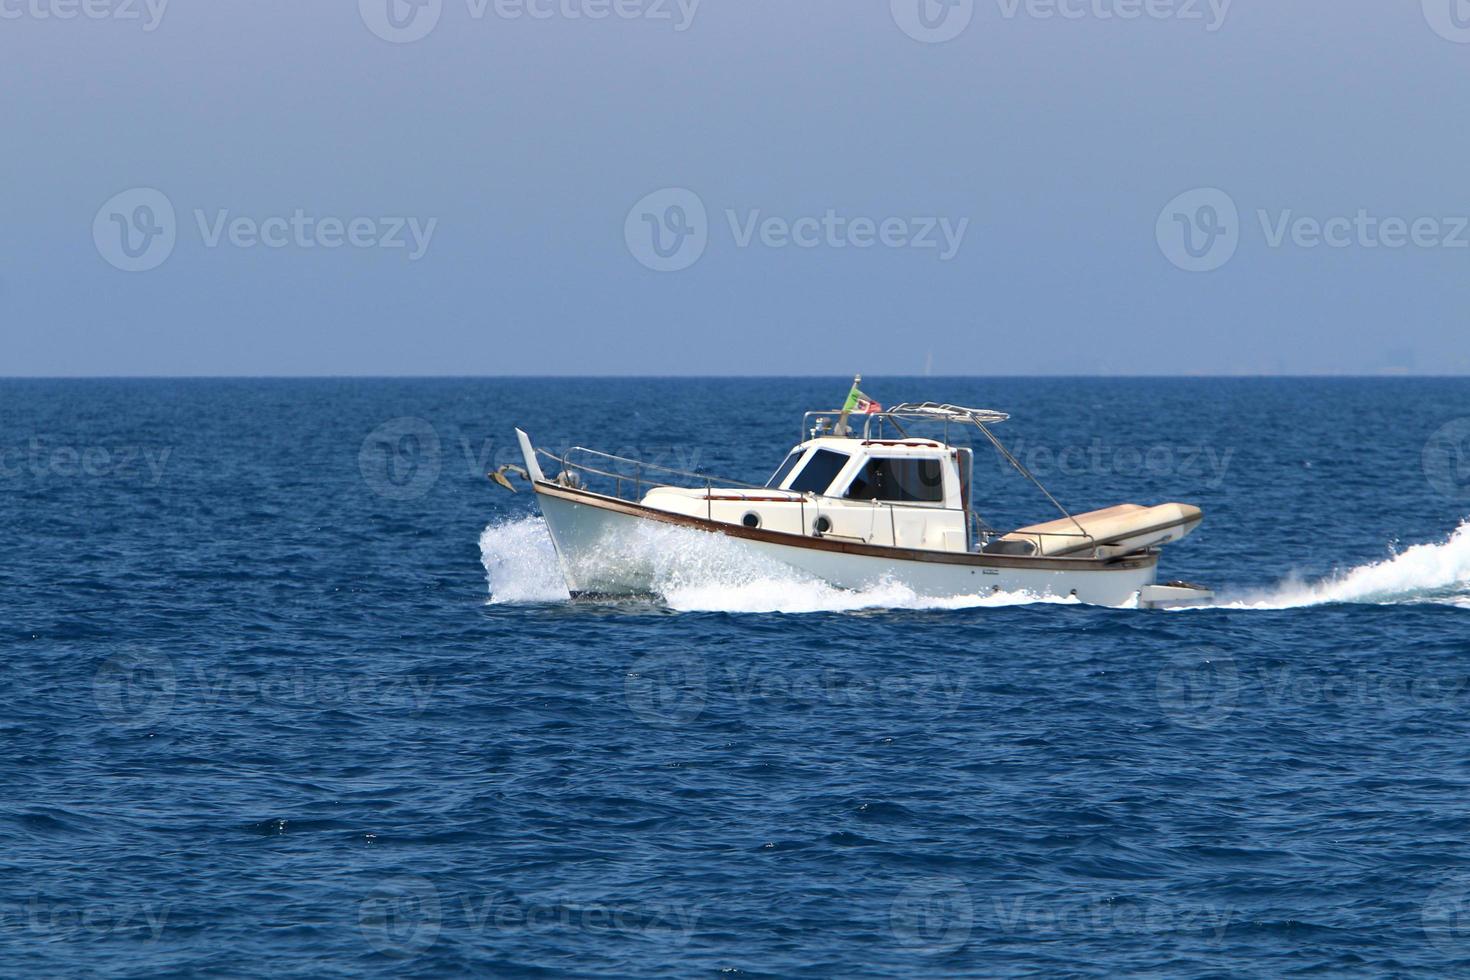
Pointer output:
841, 429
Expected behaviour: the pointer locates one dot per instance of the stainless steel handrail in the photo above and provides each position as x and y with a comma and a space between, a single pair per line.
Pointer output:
923, 412
639, 466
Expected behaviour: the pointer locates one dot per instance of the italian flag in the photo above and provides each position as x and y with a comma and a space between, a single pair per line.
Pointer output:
861, 403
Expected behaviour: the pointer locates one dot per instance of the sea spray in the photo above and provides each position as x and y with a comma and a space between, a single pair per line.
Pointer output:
520, 562
692, 571
1423, 573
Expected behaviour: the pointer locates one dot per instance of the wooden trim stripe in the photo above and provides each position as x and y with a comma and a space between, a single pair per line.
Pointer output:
769, 500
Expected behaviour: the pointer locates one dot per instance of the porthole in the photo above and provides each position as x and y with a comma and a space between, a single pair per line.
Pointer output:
751, 519
822, 525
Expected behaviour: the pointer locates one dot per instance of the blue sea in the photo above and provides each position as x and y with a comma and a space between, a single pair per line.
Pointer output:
290, 688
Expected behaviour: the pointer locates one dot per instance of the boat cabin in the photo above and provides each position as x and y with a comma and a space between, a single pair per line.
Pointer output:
905, 492
884, 486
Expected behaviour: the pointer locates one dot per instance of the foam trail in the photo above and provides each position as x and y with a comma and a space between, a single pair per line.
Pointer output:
702, 572
520, 563
793, 595
1423, 573
692, 571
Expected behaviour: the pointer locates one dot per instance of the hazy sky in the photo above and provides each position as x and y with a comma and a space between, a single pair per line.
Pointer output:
734, 186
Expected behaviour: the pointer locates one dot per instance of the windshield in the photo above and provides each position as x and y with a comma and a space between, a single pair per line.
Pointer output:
785, 470
817, 475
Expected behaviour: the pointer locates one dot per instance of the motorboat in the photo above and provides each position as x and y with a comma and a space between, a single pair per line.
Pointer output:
868, 496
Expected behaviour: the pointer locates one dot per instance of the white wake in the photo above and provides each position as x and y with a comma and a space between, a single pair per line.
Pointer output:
695, 572
521, 564
710, 573
1424, 573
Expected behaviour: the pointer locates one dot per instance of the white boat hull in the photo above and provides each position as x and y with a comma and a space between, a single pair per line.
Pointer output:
611, 547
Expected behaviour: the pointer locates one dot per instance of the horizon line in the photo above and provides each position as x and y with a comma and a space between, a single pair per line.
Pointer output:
1273, 376
1379, 376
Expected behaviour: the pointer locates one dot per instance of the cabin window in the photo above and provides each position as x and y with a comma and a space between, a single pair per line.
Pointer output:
899, 480
780, 475
819, 472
